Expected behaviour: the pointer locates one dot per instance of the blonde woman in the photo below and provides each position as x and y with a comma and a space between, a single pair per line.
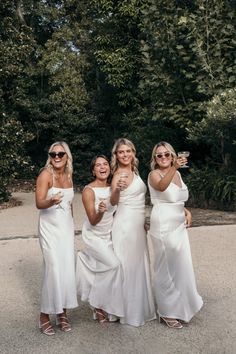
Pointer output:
54, 195
129, 236
173, 280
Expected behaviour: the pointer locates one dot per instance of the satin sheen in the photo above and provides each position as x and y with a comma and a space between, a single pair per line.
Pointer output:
130, 246
173, 277
56, 237
98, 270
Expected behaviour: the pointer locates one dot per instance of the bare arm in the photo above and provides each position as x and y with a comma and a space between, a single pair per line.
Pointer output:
115, 190
188, 217
88, 199
161, 183
43, 184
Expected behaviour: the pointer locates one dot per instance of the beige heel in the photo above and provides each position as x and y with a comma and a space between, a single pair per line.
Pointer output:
171, 322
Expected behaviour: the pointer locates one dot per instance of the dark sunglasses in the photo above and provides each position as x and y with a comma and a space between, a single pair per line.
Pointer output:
60, 154
165, 154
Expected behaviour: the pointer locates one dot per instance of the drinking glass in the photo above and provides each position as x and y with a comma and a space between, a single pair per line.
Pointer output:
124, 175
59, 206
184, 154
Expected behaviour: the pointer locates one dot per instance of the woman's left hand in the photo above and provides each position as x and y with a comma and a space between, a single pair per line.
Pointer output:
188, 218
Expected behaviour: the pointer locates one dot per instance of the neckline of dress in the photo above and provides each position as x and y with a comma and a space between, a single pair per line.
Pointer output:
60, 187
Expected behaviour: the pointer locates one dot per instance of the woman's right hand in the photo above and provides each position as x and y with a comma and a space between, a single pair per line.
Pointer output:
179, 161
102, 207
56, 198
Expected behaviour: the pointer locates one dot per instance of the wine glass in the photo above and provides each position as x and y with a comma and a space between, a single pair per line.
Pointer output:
123, 175
59, 206
184, 154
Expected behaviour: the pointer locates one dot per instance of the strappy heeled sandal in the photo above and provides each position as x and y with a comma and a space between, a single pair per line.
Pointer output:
171, 322
99, 315
63, 323
48, 330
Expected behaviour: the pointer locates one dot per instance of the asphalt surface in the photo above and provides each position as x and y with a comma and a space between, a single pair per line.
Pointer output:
211, 331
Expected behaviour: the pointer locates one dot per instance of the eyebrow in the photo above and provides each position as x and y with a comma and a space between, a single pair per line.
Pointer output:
124, 150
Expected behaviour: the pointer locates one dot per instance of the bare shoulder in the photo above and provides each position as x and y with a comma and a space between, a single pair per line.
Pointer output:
44, 175
88, 191
155, 174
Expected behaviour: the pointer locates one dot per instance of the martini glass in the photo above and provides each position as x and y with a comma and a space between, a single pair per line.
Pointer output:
184, 154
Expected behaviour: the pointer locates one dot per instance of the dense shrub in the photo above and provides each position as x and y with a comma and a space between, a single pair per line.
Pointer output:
13, 162
210, 188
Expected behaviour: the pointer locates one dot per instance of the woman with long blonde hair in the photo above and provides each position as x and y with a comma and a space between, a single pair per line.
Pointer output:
54, 195
173, 276
129, 236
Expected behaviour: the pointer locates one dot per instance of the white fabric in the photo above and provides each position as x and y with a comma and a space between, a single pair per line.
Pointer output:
56, 236
130, 245
173, 278
98, 270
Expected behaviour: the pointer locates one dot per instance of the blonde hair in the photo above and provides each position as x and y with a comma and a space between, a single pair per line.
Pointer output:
115, 162
69, 167
169, 147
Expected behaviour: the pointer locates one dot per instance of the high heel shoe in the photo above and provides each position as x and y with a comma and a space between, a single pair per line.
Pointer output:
171, 322
46, 328
99, 315
63, 323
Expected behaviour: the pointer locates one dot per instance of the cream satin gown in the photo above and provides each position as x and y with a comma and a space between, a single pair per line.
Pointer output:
98, 271
56, 236
130, 246
173, 278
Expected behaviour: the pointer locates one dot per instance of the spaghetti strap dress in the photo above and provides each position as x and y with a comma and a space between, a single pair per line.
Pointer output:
99, 274
56, 237
173, 277
130, 245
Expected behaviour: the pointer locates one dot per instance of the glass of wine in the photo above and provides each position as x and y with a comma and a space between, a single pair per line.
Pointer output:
184, 154
123, 176
59, 206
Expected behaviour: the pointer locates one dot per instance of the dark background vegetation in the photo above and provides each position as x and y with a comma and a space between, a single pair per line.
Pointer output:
91, 71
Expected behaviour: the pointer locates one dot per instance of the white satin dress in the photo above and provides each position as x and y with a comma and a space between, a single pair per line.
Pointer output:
173, 277
98, 271
130, 246
56, 236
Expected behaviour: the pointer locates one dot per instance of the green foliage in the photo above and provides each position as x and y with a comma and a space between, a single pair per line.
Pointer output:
211, 189
88, 72
13, 162
218, 127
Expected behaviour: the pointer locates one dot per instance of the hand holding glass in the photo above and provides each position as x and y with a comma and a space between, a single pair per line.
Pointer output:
104, 201
184, 154
123, 176
58, 197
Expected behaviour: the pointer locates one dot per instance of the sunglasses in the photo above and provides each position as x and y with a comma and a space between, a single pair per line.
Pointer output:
165, 154
54, 154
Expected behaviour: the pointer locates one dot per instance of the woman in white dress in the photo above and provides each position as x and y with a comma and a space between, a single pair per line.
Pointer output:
174, 281
129, 235
54, 195
98, 270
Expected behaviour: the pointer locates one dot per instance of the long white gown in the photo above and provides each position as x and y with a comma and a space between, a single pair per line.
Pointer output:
130, 246
173, 277
56, 236
98, 271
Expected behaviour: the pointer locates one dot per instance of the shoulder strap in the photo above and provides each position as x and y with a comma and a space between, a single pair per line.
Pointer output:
88, 186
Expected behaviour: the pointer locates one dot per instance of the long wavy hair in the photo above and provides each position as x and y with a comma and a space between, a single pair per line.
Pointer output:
69, 164
114, 160
169, 147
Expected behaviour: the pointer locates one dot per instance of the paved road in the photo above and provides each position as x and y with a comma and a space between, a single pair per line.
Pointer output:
212, 331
